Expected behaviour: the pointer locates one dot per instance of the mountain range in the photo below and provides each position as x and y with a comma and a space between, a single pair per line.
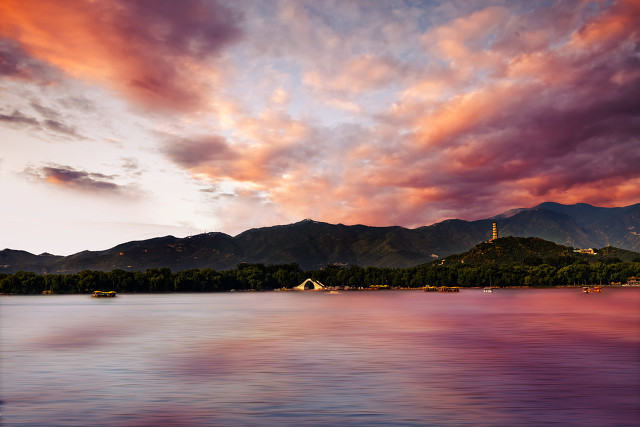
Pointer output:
313, 244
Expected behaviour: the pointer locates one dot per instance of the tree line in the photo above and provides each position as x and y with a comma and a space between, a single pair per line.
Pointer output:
267, 277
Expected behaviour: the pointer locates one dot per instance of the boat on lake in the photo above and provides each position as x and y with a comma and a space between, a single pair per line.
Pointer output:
449, 289
597, 289
488, 290
586, 290
103, 294
431, 289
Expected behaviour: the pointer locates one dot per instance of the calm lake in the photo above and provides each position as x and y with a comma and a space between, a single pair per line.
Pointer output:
513, 357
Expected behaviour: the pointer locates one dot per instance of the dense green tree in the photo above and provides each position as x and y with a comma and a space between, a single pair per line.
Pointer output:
541, 275
10, 284
251, 276
54, 283
122, 281
159, 279
260, 277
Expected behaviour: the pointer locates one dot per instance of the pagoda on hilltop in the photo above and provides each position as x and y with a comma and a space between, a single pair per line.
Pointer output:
495, 231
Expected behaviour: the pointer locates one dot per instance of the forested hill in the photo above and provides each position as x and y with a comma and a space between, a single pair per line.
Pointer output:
508, 261
313, 244
310, 244
535, 251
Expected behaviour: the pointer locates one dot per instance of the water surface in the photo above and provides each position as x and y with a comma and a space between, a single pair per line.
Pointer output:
517, 356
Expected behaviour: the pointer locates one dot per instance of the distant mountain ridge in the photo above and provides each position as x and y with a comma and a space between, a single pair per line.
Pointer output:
579, 225
313, 244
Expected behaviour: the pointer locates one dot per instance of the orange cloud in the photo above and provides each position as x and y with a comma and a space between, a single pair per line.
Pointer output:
511, 112
75, 179
617, 22
154, 53
358, 74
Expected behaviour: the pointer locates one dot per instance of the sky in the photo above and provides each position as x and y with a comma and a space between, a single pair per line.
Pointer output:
127, 120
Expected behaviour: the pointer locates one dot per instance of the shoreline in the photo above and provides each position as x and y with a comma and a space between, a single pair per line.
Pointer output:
334, 291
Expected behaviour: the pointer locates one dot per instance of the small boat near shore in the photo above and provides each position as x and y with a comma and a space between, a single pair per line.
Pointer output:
449, 289
488, 290
103, 294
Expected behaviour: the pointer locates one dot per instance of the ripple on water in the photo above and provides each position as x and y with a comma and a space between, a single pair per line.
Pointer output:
359, 358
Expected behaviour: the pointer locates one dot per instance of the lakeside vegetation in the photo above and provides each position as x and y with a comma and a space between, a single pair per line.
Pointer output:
509, 261
261, 277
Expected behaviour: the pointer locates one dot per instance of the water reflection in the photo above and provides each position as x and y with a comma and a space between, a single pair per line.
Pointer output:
402, 358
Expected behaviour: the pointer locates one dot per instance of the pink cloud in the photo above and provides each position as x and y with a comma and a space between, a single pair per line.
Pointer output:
358, 74
154, 53
191, 153
495, 108
75, 179
514, 140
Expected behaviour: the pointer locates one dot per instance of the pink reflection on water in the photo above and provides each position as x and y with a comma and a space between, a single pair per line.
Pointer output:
415, 358
84, 336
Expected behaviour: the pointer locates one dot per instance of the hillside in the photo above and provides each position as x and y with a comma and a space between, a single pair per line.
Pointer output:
533, 251
313, 244
310, 244
579, 225
26, 261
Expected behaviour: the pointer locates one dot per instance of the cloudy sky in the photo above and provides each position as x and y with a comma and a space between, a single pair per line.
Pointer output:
125, 120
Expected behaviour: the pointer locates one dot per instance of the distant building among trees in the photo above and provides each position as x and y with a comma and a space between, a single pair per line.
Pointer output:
589, 251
